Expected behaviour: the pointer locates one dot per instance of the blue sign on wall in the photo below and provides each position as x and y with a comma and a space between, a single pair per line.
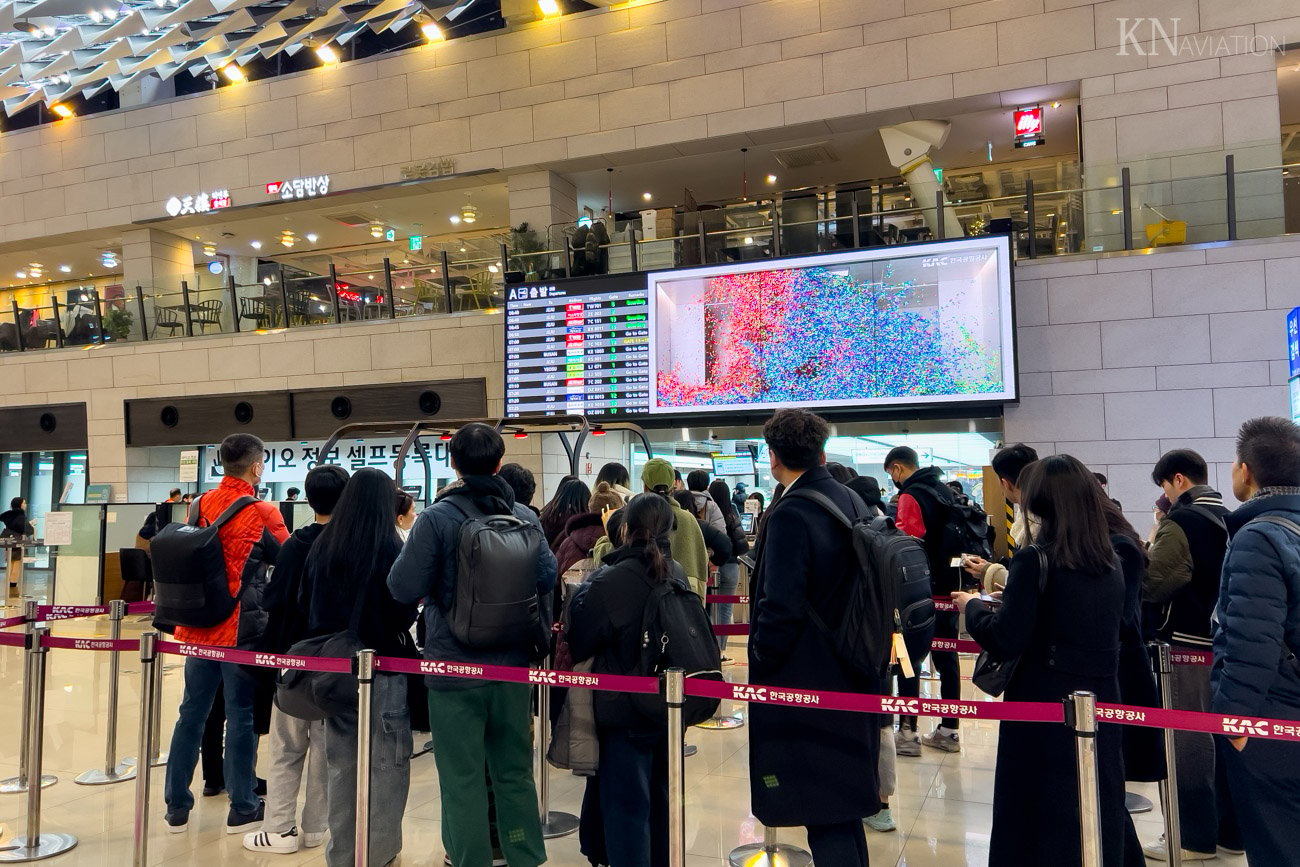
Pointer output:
1293, 340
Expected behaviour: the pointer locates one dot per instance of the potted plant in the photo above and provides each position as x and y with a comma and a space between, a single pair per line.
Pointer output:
118, 322
526, 251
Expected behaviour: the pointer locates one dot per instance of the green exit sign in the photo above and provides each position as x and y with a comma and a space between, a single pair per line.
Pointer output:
390, 235
415, 243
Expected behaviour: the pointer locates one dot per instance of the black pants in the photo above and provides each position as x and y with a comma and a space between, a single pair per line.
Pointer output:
918, 647
945, 665
842, 845
1265, 783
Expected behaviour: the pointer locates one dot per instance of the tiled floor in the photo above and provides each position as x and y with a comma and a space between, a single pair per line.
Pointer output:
942, 807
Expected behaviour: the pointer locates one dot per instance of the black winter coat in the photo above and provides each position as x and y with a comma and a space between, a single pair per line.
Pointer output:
807, 766
1144, 748
1067, 638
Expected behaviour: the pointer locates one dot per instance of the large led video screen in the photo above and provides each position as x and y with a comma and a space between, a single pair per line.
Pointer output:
891, 326
930, 324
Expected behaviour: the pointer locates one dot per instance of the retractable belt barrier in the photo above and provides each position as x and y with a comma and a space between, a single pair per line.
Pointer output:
1080, 711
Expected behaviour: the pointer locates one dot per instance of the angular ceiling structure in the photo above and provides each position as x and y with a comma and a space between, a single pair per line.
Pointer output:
54, 49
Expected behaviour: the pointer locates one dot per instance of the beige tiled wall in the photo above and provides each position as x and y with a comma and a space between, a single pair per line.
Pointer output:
657, 73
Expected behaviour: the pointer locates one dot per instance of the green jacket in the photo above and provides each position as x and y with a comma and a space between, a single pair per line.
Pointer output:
687, 542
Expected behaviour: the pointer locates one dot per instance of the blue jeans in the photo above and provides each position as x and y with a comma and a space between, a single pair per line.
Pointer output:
634, 797
202, 677
728, 581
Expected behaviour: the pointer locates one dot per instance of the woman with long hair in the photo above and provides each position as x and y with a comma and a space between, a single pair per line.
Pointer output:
728, 572
346, 588
1067, 638
570, 499
605, 618
617, 477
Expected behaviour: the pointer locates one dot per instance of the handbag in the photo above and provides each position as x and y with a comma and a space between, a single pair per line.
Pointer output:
318, 695
993, 675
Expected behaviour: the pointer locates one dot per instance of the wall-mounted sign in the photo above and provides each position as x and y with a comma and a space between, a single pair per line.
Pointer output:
300, 188
415, 243
1029, 127
199, 203
189, 466
1293, 340
430, 169
289, 462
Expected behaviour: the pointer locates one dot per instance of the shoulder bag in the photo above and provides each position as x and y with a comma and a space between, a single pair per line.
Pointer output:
993, 675
317, 695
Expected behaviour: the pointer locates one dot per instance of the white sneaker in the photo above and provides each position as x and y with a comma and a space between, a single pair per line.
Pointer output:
906, 743
942, 739
1159, 851
279, 844
311, 840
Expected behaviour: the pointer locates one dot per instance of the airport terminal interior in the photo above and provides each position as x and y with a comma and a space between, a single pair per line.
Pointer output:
616, 230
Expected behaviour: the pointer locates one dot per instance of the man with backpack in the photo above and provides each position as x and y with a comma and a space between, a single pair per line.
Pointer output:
926, 508
296, 745
1185, 562
250, 532
809, 767
1256, 674
482, 565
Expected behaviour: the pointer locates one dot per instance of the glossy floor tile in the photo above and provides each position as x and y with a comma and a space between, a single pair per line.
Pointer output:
942, 806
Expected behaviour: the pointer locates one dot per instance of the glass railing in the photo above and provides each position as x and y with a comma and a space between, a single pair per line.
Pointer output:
1122, 212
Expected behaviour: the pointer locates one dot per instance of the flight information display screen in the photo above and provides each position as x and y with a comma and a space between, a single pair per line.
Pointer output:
578, 347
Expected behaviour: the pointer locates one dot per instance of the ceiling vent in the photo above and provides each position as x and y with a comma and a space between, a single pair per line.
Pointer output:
351, 219
806, 155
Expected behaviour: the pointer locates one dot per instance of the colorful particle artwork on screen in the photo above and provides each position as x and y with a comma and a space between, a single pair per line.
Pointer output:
858, 333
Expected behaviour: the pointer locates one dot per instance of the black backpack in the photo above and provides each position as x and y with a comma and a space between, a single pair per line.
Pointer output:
189, 571
966, 531
889, 591
496, 603
676, 633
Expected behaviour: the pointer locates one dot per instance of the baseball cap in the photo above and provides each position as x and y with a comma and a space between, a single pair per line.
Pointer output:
657, 472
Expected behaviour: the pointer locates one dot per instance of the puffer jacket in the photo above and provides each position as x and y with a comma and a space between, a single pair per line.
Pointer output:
1258, 616
426, 569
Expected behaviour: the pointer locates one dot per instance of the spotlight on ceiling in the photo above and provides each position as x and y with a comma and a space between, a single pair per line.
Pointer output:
62, 110
431, 29
287, 238
66, 269
549, 7
468, 213
232, 72
256, 245
376, 229
311, 237
327, 54
209, 248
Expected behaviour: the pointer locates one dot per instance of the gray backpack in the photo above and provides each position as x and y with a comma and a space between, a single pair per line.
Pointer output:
496, 603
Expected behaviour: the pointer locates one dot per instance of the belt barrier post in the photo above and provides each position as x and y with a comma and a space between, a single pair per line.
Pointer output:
555, 824
722, 721
114, 771
35, 846
1081, 716
149, 669
157, 757
365, 696
1160, 655
769, 853
675, 697
18, 784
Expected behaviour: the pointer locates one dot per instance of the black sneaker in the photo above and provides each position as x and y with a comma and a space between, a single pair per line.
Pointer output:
237, 822
178, 821
260, 788
212, 791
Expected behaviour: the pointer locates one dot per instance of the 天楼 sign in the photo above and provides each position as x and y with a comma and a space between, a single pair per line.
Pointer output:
199, 203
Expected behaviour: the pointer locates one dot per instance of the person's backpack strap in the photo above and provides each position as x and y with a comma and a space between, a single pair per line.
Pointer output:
1043, 567
828, 505
1217, 519
239, 505
1288, 655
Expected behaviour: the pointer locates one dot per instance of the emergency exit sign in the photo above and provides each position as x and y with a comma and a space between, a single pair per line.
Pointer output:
415, 243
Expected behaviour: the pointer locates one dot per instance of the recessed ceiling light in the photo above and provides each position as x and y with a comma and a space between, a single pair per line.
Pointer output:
771, 179
311, 237
21, 275
66, 269
455, 219
256, 245
647, 196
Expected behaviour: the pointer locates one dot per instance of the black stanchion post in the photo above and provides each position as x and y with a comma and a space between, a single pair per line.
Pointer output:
35, 846
1162, 659
940, 218
139, 306
445, 261
189, 314
334, 294
1031, 217
233, 291
1126, 206
553, 824
18, 325
58, 322
1081, 717
149, 685
113, 771
674, 680
18, 784
365, 686
1230, 189
388, 287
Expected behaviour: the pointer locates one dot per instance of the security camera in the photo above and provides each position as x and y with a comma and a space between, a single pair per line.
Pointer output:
907, 142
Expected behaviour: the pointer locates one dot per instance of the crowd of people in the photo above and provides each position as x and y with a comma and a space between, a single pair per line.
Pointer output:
482, 576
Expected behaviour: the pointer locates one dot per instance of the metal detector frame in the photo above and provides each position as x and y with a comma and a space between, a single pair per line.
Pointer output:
561, 425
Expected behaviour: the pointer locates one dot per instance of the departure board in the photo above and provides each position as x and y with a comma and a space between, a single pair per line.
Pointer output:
578, 347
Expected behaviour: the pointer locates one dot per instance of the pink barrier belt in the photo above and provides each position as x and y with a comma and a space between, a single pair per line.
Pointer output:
262, 660
141, 608
510, 674
68, 612
90, 643
727, 600
6, 622
13, 639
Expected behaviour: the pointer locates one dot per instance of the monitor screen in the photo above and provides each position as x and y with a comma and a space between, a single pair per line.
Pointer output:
733, 465
747, 522
908, 325
578, 347
904, 326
